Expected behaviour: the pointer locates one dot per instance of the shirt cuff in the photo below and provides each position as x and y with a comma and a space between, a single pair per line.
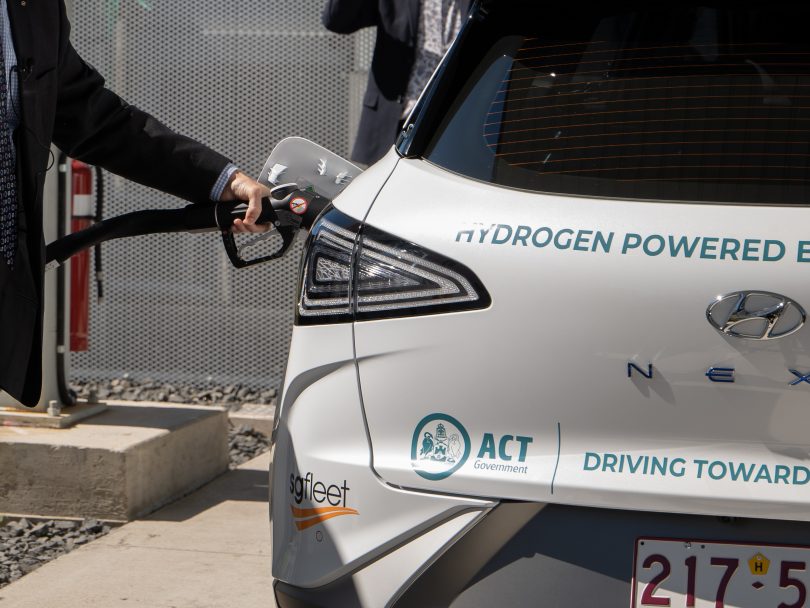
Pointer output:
222, 181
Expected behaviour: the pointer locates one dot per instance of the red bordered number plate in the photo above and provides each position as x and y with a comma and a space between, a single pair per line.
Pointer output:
700, 574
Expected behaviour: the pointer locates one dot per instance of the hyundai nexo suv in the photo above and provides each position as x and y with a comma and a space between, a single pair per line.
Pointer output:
550, 351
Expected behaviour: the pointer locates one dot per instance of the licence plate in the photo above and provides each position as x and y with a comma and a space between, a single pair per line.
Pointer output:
700, 574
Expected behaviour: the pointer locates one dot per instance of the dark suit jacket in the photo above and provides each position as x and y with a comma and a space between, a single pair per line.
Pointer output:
63, 100
394, 51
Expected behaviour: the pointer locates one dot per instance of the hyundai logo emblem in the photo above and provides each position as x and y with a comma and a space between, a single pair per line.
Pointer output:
755, 315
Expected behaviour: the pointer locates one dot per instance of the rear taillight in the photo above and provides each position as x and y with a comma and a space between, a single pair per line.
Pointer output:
351, 272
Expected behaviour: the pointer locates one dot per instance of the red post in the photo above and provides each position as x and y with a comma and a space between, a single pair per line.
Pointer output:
82, 217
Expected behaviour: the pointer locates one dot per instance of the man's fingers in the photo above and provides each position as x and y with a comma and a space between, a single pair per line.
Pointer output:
240, 227
254, 206
252, 191
243, 188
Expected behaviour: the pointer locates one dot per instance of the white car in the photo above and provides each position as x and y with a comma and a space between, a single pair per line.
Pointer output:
550, 351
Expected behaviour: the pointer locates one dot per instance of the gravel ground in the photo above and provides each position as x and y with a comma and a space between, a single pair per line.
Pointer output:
26, 545
245, 444
125, 388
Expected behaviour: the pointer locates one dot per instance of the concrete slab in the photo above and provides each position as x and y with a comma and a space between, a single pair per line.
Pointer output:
208, 550
123, 463
257, 416
66, 418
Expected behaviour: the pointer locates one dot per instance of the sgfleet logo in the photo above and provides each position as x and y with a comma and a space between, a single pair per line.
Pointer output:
441, 446
328, 499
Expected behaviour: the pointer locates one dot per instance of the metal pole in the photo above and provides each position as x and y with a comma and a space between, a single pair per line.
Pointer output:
52, 381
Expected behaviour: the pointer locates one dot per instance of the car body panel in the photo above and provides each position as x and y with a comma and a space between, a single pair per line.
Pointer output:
320, 431
331, 514
551, 354
385, 578
358, 196
594, 396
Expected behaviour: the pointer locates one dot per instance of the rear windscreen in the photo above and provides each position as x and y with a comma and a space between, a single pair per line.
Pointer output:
695, 103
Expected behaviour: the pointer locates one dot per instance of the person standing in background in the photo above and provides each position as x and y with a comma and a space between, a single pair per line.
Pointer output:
412, 37
48, 94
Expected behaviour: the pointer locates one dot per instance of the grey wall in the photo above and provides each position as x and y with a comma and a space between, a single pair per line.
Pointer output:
238, 76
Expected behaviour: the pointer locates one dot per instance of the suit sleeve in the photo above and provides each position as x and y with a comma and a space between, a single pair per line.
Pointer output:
96, 126
348, 16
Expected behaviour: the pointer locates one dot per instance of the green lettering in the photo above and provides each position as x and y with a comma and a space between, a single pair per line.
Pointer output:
708, 248
524, 446
558, 243
583, 238
751, 250
538, 243
767, 256
522, 234
683, 243
740, 471
804, 252
502, 453
500, 241
729, 248
680, 471
592, 462
631, 241
468, 233
713, 470
634, 466
763, 473
659, 247
487, 447
781, 473
600, 240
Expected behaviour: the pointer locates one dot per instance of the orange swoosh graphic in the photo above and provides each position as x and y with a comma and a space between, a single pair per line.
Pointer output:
298, 512
306, 518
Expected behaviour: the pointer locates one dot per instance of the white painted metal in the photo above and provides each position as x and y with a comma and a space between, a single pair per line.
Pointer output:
555, 344
322, 439
381, 582
539, 380
587, 381
356, 200
50, 381
322, 432
300, 161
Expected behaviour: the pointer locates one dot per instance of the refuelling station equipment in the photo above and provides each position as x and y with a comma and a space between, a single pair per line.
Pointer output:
303, 178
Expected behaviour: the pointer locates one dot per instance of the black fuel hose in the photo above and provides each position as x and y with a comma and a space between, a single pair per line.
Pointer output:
201, 216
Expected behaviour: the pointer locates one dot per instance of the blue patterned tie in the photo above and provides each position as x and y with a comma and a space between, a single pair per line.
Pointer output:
8, 174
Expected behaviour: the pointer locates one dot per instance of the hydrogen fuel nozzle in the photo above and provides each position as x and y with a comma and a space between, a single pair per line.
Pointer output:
285, 211
303, 178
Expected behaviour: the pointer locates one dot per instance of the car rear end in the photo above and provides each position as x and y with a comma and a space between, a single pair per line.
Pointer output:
553, 349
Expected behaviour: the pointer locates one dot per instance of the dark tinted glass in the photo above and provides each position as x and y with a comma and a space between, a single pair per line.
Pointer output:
697, 103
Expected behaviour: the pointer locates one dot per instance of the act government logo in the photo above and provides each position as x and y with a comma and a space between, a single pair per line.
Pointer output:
440, 446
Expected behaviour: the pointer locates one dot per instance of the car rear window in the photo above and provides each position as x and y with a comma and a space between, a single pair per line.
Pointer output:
702, 103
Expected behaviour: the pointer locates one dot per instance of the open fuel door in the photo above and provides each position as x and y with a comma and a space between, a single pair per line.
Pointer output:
303, 178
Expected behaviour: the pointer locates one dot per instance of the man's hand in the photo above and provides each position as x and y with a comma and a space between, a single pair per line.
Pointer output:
241, 187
